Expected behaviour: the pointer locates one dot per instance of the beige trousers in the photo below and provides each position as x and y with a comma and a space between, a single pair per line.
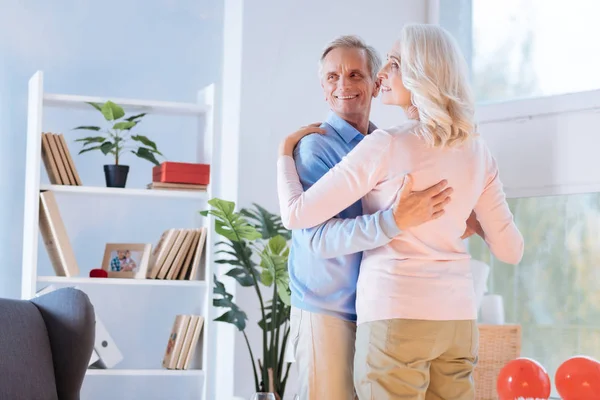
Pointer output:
415, 359
324, 352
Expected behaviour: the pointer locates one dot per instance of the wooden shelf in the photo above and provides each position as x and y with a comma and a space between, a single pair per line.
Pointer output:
98, 190
144, 372
120, 281
149, 106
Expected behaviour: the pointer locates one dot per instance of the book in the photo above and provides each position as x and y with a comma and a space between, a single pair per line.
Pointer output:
176, 186
190, 342
57, 160
177, 254
182, 342
175, 342
69, 160
161, 251
55, 238
192, 270
49, 162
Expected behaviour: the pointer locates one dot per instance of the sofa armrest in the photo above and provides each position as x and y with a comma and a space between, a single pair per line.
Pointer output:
70, 322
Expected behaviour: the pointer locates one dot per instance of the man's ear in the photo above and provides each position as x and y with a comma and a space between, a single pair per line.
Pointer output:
377, 88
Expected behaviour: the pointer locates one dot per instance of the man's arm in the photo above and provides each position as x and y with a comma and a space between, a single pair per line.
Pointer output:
337, 237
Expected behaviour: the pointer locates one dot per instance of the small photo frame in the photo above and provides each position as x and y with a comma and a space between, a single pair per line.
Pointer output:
126, 260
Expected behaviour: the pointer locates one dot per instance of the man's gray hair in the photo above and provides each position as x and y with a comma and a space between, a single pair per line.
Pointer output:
353, 42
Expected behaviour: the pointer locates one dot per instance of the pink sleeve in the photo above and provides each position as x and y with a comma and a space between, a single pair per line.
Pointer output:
353, 177
501, 234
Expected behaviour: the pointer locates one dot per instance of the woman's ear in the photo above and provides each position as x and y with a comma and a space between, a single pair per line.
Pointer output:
412, 112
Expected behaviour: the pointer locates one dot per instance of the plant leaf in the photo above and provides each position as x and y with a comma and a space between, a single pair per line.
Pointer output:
144, 140
268, 224
112, 111
97, 106
91, 139
241, 276
230, 224
266, 277
124, 125
89, 149
107, 147
282, 311
277, 244
274, 262
146, 154
89, 128
134, 117
234, 316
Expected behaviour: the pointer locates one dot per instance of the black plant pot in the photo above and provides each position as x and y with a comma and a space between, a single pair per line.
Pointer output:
116, 175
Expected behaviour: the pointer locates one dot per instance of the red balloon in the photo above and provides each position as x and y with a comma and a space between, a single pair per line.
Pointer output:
523, 377
578, 378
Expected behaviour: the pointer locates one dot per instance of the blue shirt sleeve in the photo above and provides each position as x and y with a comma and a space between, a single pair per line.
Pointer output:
337, 237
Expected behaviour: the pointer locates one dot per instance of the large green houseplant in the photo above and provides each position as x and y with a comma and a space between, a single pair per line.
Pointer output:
255, 248
117, 139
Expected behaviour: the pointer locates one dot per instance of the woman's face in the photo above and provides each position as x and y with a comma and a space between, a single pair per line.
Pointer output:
393, 91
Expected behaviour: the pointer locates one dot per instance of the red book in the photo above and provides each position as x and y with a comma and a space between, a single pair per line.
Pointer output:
179, 172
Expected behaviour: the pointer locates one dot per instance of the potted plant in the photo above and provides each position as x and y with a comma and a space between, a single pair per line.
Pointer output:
255, 246
116, 140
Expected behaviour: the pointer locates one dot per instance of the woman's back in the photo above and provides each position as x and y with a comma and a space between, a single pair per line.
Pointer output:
425, 271
465, 167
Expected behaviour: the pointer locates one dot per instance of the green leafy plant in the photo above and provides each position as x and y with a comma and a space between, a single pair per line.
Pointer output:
115, 140
255, 247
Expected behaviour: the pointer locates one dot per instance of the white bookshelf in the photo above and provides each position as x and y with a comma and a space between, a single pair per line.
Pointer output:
105, 191
151, 321
153, 107
143, 372
72, 281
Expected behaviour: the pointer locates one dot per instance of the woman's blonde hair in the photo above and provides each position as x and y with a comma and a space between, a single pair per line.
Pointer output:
435, 72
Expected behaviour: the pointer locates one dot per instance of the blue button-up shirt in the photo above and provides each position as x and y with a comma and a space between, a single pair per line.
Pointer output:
324, 261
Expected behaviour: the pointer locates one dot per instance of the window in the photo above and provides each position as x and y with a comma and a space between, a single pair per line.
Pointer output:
527, 48
554, 294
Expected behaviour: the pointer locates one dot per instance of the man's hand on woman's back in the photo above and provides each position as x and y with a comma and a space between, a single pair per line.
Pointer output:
414, 208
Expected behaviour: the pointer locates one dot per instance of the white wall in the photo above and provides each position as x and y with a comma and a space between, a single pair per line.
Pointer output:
282, 42
545, 146
157, 49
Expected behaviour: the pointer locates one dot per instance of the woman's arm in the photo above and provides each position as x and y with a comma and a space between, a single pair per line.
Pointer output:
344, 184
500, 231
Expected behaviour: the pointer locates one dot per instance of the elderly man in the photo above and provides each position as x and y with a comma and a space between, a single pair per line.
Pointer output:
324, 261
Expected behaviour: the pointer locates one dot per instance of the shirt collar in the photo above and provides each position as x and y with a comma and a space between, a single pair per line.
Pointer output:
344, 129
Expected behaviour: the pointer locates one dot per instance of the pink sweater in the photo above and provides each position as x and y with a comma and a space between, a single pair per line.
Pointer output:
424, 273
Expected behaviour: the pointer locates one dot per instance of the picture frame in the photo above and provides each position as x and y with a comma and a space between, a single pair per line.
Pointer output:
126, 260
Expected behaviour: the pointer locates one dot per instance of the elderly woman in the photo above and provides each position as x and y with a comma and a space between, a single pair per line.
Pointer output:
417, 336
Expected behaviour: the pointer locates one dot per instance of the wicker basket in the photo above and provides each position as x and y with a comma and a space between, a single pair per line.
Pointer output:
498, 344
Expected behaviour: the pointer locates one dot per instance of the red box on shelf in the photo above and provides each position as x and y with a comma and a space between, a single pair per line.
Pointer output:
180, 172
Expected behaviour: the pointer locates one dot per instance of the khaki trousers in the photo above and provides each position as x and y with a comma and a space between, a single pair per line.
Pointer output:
324, 352
416, 359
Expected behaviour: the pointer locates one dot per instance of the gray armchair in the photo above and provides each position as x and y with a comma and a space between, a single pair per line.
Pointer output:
45, 345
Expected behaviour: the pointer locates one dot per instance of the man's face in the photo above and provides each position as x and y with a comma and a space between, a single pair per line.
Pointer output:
121, 254
347, 82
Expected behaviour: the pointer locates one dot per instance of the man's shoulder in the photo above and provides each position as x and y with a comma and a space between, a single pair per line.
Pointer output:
317, 144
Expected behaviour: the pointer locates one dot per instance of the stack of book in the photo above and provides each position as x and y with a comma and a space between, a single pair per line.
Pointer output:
57, 160
177, 254
180, 176
182, 341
